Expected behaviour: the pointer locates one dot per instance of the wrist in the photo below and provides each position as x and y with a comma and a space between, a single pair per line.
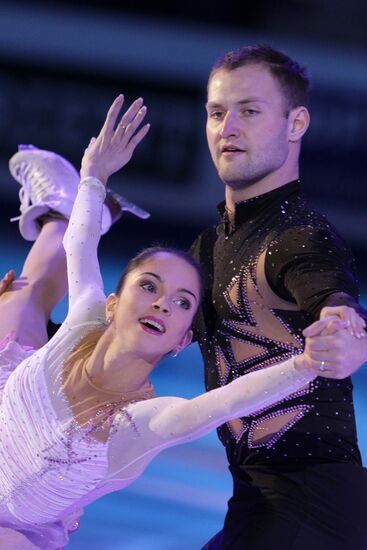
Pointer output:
92, 171
91, 181
300, 365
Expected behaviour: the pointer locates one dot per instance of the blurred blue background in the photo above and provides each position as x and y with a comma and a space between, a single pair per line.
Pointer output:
61, 64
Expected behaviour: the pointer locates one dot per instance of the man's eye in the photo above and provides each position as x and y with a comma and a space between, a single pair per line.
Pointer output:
251, 112
183, 302
148, 286
216, 114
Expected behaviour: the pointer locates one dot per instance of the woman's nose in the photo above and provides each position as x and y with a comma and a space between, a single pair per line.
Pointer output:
161, 305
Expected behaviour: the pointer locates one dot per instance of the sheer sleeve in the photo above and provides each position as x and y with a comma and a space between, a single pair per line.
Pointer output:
189, 419
81, 242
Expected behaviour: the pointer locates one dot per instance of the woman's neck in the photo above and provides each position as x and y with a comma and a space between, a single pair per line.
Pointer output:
117, 369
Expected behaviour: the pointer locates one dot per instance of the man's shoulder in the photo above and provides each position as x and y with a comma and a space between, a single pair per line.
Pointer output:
302, 217
204, 242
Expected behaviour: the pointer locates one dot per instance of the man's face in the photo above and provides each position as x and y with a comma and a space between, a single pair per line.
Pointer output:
247, 128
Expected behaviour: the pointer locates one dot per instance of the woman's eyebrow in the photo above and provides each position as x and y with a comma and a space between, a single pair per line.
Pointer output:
161, 280
153, 275
188, 292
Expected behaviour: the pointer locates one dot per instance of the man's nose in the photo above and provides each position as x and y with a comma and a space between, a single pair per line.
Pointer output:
230, 126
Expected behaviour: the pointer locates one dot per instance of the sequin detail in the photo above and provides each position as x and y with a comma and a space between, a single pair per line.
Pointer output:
268, 270
237, 428
300, 411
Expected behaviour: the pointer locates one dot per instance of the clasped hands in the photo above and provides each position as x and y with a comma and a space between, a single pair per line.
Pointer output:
336, 345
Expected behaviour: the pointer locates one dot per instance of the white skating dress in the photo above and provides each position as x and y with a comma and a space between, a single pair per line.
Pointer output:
50, 467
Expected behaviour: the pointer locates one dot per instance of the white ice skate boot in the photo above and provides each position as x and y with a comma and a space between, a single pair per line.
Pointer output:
50, 182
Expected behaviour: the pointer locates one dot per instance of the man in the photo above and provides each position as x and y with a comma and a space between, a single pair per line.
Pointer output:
273, 266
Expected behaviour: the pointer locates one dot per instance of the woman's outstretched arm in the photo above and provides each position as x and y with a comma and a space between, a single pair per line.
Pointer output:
190, 419
183, 420
106, 154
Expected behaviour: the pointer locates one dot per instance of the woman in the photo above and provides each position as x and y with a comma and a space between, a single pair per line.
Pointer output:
78, 415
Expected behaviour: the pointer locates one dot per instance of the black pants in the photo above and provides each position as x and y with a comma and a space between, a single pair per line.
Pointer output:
305, 507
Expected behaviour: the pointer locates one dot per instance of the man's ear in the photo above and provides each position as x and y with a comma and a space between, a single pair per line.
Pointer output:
299, 121
110, 306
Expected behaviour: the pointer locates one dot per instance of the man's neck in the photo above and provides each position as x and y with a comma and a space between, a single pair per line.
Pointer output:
234, 196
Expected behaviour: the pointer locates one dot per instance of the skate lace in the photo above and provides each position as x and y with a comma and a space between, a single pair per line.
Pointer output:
33, 189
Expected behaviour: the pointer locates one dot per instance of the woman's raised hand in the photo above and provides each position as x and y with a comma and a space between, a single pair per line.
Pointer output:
115, 145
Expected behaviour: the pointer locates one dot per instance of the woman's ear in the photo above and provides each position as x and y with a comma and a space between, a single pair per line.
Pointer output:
299, 121
110, 307
186, 340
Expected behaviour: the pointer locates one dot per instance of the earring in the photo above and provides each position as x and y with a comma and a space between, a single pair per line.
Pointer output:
175, 352
109, 320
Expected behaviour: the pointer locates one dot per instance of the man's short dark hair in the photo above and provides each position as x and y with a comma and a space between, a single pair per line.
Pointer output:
293, 78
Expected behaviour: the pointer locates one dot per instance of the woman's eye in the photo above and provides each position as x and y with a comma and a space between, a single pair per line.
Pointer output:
148, 286
183, 302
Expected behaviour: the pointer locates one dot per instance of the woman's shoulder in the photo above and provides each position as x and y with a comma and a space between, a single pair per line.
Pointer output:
88, 307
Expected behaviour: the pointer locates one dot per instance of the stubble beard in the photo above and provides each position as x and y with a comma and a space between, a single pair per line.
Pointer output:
249, 173
243, 178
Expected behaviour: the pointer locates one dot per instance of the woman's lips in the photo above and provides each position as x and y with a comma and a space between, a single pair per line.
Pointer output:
153, 325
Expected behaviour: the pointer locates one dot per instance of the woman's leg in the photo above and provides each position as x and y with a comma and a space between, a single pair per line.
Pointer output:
26, 307
49, 183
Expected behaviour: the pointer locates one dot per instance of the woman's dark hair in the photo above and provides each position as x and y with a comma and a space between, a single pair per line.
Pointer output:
148, 253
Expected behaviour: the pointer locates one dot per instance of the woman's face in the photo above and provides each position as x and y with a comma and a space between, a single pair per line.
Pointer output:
154, 311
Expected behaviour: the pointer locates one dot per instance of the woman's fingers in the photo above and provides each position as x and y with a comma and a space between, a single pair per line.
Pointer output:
355, 322
115, 144
107, 129
130, 120
329, 324
137, 138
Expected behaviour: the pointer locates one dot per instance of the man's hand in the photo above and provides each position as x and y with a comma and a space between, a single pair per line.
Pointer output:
332, 350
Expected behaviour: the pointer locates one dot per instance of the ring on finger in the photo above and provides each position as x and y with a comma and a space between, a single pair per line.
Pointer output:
322, 366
